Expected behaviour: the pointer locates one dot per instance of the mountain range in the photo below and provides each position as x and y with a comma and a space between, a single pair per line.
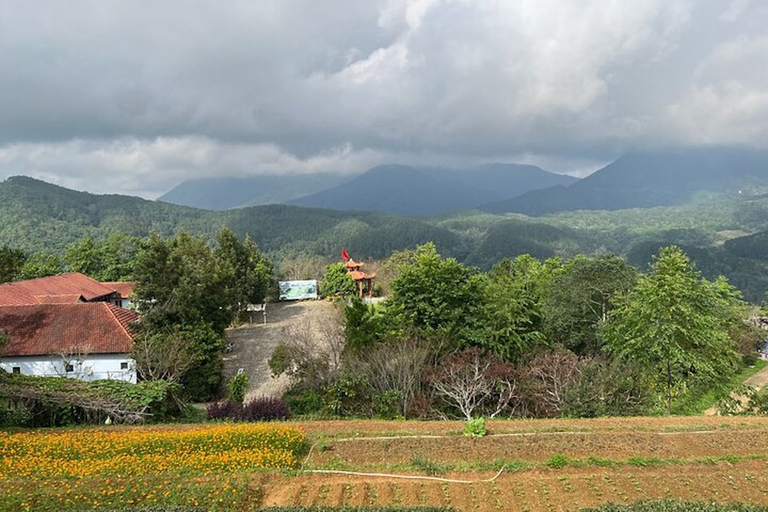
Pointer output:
648, 179
398, 189
226, 193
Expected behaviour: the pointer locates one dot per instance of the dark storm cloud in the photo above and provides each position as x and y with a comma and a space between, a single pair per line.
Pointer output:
135, 96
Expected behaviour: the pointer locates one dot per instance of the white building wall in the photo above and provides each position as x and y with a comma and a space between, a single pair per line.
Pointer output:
91, 367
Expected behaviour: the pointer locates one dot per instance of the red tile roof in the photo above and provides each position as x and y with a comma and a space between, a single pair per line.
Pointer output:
124, 288
29, 291
359, 276
353, 264
42, 329
72, 298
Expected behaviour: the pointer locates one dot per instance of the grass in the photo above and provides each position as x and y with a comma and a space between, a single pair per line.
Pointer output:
698, 403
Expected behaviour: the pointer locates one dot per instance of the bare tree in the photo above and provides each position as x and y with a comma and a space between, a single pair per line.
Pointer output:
162, 357
73, 359
472, 380
395, 366
312, 350
551, 375
302, 267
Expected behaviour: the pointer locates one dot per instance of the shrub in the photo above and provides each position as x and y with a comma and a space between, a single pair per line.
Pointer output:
668, 505
18, 417
265, 409
557, 461
224, 410
304, 401
475, 428
237, 386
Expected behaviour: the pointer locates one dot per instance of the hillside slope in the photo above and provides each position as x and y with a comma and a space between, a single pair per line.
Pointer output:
225, 193
642, 180
429, 191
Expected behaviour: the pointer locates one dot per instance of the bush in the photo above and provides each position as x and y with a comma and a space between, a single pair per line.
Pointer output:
475, 428
677, 506
258, 409
18, 417
265, 409
304, 401
337, 282
224, 410
237, 386
557, 461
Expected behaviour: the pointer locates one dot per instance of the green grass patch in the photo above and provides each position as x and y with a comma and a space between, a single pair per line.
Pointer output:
677, 506
699, 401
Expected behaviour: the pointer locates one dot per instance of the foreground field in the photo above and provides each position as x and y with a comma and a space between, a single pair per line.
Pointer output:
115, 468
549, 464
536, 465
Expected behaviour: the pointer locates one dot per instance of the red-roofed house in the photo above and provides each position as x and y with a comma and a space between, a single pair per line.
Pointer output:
124, 289
89, 341
64, 289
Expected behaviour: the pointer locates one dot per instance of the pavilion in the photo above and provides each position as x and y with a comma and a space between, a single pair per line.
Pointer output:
363, 280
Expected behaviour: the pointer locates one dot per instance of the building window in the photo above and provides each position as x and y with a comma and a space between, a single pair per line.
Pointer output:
16, 369
123, 366
69, 368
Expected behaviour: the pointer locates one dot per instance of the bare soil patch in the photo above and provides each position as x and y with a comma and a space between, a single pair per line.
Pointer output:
690, 458
252, 344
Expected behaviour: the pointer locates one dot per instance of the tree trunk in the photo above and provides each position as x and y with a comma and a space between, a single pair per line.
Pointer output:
669, 388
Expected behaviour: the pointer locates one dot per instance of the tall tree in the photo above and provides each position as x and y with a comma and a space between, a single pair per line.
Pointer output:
252, 273
184, 289
672, 324
580, 299
512, 307
439, 297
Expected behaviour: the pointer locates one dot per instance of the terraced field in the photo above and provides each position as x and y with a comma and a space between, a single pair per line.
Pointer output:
545, 465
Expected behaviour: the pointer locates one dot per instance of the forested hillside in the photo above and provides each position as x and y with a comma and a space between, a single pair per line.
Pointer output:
721, 237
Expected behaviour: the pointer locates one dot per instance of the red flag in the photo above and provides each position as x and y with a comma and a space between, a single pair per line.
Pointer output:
344, 254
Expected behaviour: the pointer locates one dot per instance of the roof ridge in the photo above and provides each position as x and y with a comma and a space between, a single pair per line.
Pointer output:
114, 316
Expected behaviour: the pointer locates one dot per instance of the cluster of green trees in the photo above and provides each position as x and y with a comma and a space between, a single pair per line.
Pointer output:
187, 291
587, 336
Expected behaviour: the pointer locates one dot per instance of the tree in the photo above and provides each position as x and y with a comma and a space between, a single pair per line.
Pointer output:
439, 297
11, 263
182, 287
580, 299
41, 264
251, 273
393, 369
671, 323
472, 380
181, 281
337, 282
512, 313
161, 356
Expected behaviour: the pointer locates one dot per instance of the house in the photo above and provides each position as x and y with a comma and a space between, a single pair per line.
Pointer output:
87, 341
124, 289
67, 288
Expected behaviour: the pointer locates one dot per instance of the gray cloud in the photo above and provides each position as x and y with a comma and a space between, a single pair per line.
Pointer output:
135, 96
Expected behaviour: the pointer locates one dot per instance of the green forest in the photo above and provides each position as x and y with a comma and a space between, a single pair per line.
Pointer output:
722, 238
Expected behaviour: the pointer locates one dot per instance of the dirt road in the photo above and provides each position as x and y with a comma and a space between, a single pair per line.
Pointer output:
252, 344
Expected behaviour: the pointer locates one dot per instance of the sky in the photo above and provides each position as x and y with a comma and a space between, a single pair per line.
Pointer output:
135, 96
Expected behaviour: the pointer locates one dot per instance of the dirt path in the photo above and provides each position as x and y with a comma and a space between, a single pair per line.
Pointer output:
252, 344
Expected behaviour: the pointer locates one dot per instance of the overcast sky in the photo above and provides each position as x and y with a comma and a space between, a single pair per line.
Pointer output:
135, 96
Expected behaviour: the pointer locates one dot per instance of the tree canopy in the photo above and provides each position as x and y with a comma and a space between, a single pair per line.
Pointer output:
672, 323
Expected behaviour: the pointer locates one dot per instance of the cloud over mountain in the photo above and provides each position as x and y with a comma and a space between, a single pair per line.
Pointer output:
136, 96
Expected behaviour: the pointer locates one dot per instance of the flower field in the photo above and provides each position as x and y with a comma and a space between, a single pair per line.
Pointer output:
146, 466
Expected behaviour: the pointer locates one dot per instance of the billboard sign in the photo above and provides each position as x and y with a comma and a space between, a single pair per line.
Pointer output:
297, 290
